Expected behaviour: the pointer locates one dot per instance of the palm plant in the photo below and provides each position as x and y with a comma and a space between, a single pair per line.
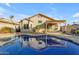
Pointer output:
11, 18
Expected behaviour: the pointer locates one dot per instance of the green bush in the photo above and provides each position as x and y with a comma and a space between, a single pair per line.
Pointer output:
78, 31
6, 30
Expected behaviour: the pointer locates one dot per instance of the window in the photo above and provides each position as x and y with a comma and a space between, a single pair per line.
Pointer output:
39, 21
26, 26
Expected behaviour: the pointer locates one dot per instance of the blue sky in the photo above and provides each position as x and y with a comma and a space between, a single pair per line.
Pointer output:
65, 11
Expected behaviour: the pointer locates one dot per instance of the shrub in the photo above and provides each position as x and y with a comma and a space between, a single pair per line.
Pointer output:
77, 31
6, 30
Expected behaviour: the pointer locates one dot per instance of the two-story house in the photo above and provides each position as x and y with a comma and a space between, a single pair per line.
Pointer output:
41, 23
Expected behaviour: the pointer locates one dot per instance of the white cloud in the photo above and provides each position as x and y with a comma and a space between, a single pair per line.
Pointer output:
5, 13
8, 4
75, 15
76, 18
20, 16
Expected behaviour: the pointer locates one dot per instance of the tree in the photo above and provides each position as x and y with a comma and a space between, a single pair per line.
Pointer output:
6, 30
11, 18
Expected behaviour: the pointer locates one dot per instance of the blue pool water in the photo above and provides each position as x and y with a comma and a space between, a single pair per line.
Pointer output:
15, 48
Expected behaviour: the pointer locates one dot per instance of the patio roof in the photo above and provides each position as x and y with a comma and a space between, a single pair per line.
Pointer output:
56, 21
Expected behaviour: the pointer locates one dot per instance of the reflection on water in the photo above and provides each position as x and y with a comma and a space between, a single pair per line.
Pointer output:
39, 42
30, 45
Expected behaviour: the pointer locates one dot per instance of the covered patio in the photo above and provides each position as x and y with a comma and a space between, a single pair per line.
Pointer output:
54, 26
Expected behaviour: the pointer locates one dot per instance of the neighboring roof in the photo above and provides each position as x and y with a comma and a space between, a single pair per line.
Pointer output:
75, 25
7, 21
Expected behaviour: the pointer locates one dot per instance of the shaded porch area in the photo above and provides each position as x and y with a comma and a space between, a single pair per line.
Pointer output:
50, 26
54, 26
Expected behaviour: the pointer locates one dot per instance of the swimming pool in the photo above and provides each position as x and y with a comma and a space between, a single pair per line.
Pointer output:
22, 46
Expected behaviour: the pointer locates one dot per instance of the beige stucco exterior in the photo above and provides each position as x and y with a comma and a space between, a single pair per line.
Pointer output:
41, 21
25, 22
39, 17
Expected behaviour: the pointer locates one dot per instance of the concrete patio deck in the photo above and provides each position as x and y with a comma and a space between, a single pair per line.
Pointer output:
6, 35
73, 38
4, 38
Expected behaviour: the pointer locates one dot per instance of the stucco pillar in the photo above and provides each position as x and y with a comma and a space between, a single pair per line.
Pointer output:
58, 25
46, 28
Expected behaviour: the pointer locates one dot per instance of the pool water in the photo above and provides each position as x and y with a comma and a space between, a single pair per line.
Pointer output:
52, 47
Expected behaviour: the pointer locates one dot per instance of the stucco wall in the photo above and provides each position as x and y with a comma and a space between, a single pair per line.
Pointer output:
34, 21
6, 25
38, 18
25, 22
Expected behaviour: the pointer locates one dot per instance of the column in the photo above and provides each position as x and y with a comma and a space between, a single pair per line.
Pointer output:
58, 27
46, 28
